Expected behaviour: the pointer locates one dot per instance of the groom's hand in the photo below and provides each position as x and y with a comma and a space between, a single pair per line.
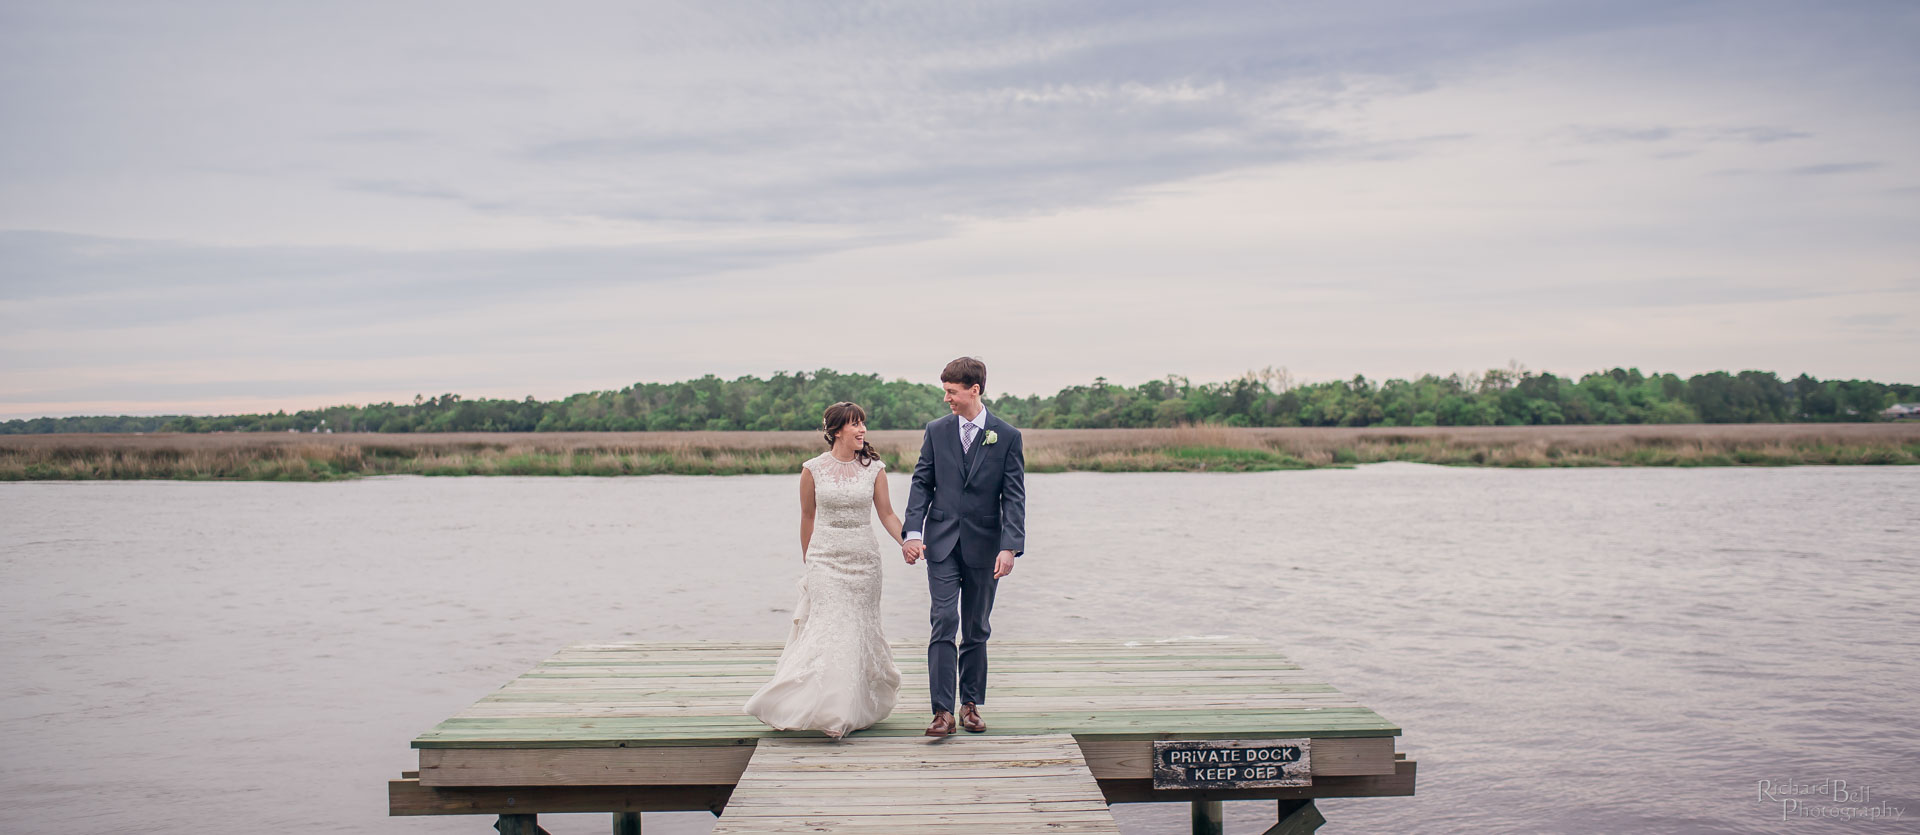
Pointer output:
913, 550
1003, 564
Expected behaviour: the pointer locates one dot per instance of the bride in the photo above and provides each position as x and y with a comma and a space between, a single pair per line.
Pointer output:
836, 674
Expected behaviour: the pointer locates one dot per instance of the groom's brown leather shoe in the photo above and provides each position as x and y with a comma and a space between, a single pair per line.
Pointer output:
942, 724
970, 718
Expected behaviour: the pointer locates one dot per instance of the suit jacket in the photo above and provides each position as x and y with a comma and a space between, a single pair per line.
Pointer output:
973, 504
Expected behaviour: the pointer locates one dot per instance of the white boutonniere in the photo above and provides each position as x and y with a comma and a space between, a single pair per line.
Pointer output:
992, 437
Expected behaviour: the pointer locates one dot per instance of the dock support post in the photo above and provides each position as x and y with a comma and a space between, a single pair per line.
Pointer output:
626, 823
1297, 817
1208, 818
519, 825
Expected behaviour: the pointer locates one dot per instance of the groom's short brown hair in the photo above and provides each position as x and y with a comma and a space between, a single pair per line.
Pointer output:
966, 371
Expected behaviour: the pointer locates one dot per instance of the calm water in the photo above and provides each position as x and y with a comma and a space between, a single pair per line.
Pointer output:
1569, 651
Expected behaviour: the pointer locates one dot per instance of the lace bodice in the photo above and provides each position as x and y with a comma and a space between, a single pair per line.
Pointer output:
843, 491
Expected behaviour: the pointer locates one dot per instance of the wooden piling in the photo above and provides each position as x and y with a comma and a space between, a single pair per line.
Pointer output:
1209, 817
518, 825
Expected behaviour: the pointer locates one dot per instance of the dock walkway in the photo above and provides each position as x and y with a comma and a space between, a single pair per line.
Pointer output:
1007, 784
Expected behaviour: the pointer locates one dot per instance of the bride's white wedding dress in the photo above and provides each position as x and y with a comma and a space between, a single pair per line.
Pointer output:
836, 674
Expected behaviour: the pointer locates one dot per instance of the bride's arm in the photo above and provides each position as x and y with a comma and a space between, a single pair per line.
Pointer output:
883, 502
806, 511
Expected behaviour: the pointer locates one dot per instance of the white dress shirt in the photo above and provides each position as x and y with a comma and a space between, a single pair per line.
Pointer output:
979, 434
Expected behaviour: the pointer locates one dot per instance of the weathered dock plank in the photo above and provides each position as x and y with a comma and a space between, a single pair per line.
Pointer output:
954, 784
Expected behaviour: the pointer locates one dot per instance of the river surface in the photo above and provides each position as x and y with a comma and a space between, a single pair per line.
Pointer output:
1568, 650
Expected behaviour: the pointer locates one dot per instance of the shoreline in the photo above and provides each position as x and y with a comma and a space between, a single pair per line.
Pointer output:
320, 457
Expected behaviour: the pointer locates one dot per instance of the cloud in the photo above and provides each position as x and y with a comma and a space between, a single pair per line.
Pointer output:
1834, 168
1760, 135
406, 189
1673, 291
86, 282
1868, 320
1612, 135
379, 136
1686, 291
1626, 134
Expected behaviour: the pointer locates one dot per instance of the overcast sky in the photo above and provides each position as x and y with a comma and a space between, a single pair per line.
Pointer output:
217, 207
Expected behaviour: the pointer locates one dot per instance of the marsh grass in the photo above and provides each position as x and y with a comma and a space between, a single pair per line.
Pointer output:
288, 457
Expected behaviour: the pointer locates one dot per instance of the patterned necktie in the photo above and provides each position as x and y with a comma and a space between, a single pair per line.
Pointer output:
966, 437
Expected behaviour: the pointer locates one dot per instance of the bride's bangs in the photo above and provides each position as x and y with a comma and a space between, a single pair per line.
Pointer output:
843, 413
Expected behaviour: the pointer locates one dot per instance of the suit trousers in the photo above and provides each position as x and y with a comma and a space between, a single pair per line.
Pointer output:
962, 602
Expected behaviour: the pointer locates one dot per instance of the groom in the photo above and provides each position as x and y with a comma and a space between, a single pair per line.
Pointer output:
967, 515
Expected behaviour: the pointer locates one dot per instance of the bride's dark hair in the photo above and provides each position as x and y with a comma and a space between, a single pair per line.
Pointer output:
838, 416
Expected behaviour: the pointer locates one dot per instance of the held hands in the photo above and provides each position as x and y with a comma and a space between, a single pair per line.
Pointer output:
1003, 564
914, 549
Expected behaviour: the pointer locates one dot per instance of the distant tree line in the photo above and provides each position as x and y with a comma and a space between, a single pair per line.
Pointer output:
112, 423
1512, 396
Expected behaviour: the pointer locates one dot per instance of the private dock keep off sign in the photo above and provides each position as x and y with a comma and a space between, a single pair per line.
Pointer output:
1232, 763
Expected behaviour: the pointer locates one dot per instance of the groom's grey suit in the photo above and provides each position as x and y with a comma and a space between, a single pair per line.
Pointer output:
969, 506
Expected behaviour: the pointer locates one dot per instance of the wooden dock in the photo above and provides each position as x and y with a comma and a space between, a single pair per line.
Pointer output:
638, 727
